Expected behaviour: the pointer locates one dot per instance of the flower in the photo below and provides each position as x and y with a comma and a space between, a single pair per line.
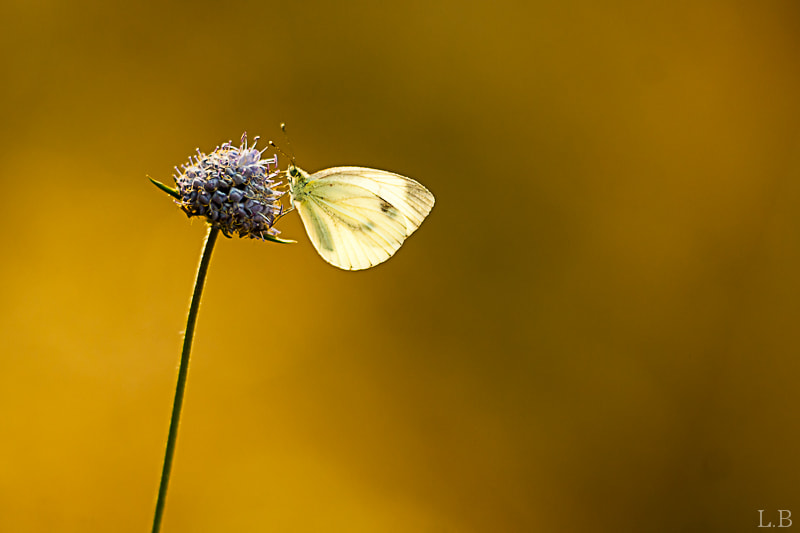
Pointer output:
233, 188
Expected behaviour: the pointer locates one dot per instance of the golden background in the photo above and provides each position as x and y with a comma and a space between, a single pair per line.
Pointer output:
596, 329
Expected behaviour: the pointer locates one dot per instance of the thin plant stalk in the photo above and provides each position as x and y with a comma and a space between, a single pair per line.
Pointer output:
202, 269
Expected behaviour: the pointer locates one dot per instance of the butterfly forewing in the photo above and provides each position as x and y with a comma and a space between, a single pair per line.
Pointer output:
412, 199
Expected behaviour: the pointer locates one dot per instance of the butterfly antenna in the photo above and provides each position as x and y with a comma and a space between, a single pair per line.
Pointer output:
286, 136
283, 129
271, 143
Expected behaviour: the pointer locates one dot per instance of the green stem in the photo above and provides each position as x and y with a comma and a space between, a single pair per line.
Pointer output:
211, 238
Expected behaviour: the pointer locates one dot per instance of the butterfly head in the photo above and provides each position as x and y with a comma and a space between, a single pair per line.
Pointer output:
297, 178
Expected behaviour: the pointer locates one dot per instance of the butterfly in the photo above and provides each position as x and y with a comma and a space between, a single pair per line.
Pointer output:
357, 217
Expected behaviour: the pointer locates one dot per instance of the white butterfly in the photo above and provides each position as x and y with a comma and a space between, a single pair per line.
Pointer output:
358, 217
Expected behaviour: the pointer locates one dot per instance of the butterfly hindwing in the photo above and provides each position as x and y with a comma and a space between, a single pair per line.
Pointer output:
349, 227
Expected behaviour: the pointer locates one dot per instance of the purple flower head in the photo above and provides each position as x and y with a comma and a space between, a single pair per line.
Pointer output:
233, 188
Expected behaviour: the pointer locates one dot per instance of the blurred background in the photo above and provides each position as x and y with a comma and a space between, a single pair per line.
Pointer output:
594, 330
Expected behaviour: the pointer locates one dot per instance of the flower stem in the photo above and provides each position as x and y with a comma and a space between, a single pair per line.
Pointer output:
211, 238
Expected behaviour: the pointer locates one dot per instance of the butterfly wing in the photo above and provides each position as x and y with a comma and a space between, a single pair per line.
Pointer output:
359, 217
